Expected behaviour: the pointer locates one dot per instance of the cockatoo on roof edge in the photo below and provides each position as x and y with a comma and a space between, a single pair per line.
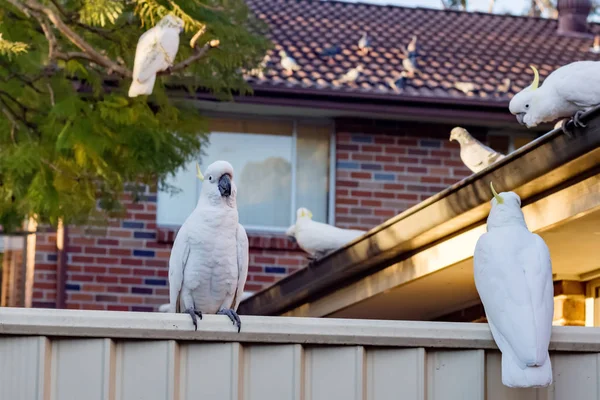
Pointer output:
513, 276
156, 51
569, 91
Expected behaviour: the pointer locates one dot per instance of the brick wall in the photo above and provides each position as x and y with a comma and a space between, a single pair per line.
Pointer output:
125, 266
379, 176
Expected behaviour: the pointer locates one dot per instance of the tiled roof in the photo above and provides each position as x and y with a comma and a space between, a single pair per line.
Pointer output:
453, 47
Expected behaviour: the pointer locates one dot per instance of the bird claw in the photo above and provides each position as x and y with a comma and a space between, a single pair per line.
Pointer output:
577, 119
566, 131
193, 313
232, 316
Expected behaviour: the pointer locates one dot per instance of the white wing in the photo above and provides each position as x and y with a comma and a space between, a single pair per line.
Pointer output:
242, 261
578, 83
156, 51
315, 236
177, 262
477, 156
513, 276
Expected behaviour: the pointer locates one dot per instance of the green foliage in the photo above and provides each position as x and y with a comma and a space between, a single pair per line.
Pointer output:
70, 137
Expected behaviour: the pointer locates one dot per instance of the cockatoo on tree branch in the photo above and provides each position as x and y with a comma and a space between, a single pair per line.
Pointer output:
156, 51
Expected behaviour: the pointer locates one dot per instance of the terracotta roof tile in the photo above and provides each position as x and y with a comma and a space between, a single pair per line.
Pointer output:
453, 47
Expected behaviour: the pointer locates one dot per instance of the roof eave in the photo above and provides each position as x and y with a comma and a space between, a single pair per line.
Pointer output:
538, 167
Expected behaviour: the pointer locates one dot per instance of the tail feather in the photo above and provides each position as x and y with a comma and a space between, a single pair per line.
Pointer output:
138, 88
515, 377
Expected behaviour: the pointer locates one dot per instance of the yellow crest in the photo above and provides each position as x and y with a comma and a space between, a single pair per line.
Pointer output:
199, 173
498, 198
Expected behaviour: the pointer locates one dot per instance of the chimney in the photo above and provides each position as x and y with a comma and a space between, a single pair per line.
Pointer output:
572, 16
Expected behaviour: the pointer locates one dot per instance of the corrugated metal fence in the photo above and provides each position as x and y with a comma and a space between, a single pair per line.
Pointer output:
88, 355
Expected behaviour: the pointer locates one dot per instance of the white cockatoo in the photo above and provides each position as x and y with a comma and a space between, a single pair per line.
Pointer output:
568, 91
155, 52
209, 260
474, 154
288, 63
364, 44
317, 238
513, 276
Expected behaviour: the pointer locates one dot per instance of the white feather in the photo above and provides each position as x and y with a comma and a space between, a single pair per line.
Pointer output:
156, 50
315, 237
209, 260
513, 275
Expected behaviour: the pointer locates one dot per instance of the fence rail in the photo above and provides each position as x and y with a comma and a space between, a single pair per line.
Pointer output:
64, 354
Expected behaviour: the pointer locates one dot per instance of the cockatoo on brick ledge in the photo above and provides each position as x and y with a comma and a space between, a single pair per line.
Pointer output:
209, 260
513, 275
316, 238
155, 52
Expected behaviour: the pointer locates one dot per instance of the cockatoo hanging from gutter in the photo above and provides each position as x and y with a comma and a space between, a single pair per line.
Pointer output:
513, 276
156, 51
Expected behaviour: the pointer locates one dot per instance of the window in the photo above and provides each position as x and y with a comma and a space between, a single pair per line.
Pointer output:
278, 166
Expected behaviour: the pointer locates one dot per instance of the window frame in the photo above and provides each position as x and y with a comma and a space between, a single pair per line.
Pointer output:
257, 229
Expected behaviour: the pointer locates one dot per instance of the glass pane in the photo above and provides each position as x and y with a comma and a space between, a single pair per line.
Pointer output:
174, 209
312, 174
263, 174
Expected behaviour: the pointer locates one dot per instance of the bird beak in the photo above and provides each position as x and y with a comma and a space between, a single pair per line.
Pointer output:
520, 118
225, 185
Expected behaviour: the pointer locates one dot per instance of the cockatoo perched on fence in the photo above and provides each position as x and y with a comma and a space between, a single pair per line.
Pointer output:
316, 238
513, 275
474, 154
569, 91
155, 52
209, 260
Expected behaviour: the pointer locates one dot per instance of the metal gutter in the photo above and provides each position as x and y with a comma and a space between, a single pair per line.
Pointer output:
532, 171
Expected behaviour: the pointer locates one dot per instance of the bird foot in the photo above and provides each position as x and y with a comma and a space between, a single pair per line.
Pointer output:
577, 119
566, 131
232, 316
193, 313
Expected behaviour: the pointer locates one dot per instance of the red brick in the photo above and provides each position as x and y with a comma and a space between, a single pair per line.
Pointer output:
74, 249
288, 261
361, 175
79, 259
131, 280
117, 289
144, 217
407, 178
113, 307
51, 248
362, 157
352, 202
45, 285
95, 250
144, 272
120, 233
250, 287
45, 267
370, 203
106, 298
81, 278
361, 193
431, 179
395, 150
416, 170
394, 186
347, 147
135, 207
263, 278
431, 161
373, 149
343, 156
107, 260
132, 299
255, 269
94, 270
384, 140
361, 211
88, 287
393, 168
346, 220
132, 261
406, 141
384, 195
107, 279
80, 296
407, 196
342, 210
264, 260
83, 241
157, 263
453, 163
108, 242
150, 207
120, 271
347, 183
441, 153
385, 159
408, 160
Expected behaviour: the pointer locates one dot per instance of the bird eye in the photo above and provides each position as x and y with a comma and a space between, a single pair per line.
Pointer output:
526, 105
210, 178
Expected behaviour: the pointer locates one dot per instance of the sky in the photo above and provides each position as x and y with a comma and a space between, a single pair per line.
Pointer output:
501, 6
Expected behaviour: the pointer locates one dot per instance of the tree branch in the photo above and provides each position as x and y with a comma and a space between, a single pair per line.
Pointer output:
198, 54
92, 54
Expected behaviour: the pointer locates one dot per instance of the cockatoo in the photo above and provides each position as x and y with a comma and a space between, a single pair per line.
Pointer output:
474, 154
513, 276
569, 91
209, 260
352, 74
288, 63
363, 44
316, 238
155, 52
